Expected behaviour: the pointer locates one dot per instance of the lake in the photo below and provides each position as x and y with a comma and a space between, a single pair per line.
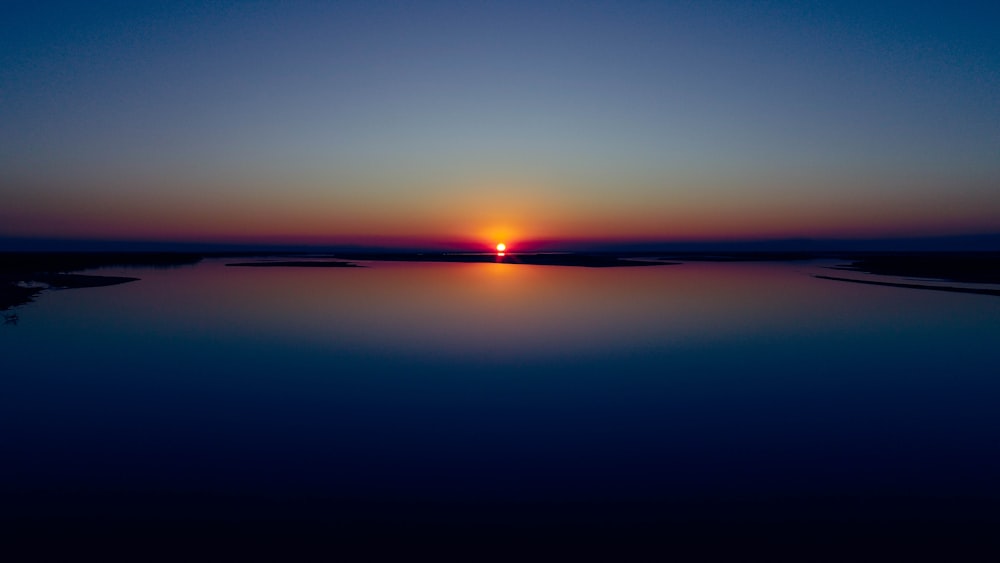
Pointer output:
499, 393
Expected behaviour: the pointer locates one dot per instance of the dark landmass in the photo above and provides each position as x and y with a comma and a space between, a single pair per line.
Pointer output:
967, 267
23, 275
963, 267
742, 256
56, 262
12, 294
917, 286
297, 264
20, 271
542, 259
981, 242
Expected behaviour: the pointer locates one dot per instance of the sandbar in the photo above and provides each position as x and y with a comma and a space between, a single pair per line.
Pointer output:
23, 275
966, 267
297, 264
952, 289
540, 259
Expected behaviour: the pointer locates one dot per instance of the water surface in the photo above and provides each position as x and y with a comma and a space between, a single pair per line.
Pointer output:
422, 382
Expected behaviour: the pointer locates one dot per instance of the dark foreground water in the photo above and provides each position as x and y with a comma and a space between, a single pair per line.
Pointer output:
484, 403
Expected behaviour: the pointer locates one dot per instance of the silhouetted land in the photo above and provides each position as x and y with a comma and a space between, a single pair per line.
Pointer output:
13, 294
964, 267
51, 269
297, 264
23, 275
596, 260
978, 267
755, 256
60, 262
917, 286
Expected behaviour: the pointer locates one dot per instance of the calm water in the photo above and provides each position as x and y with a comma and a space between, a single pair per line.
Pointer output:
496, 382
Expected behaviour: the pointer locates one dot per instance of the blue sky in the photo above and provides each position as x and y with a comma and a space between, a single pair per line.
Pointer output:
476, 120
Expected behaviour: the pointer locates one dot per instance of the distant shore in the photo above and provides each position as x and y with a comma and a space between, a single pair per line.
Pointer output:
297, 264
952, 289
965, 267
23, 275
578, 259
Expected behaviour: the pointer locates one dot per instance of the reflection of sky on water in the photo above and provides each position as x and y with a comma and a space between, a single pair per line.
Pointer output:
499, 311
417, 380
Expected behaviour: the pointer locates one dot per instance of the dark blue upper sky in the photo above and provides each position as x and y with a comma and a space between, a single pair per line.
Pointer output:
482, 120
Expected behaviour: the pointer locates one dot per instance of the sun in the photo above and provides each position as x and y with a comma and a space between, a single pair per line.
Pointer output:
501, 247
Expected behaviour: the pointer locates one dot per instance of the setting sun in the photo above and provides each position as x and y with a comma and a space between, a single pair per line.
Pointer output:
501, 247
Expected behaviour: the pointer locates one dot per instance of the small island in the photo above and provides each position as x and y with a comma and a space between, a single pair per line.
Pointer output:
583, 260
297, 264
24, 275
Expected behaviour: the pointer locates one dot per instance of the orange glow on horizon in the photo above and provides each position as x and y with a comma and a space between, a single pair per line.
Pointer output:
472, 221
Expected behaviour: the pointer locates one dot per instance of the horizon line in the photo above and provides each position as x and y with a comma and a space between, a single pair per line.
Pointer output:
958, 242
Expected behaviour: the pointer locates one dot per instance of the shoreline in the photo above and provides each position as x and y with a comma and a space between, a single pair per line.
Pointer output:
576, 259
25, 275
21, 271
296, 264
952, 289
13, 295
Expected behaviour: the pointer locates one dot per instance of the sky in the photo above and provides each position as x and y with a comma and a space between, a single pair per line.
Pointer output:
458, 124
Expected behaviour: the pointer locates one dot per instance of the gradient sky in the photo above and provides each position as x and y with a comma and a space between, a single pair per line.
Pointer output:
348, 122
